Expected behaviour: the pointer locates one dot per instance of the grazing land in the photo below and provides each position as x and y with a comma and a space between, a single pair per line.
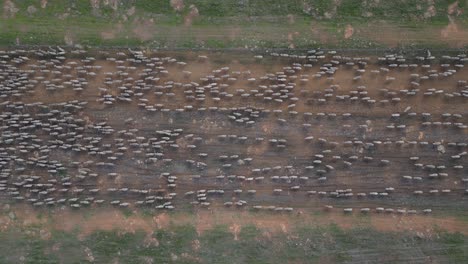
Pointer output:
233, 131
237, 24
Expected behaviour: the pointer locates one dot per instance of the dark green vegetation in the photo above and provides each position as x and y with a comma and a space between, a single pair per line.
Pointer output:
182, 244
222, 24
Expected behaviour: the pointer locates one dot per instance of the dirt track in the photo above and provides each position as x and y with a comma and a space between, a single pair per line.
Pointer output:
283, 132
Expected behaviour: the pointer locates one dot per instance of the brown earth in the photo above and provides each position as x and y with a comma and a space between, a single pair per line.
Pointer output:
109, 219
178, 5
9, 9
349, 31
193, 13
144, 29
308, 210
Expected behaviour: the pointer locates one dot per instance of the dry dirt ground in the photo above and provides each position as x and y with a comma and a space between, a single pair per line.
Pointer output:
273, 140
110, 219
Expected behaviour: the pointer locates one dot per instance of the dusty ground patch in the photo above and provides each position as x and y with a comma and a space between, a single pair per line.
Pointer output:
144, 29
109, 219
349, 31
178, 5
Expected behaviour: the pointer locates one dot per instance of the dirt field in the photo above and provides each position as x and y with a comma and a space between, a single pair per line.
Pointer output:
144, 140
263, 129
208, 131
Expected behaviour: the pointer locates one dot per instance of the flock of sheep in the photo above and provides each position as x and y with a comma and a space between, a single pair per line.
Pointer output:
280, 132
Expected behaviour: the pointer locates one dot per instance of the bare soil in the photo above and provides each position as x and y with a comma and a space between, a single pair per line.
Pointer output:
333, 135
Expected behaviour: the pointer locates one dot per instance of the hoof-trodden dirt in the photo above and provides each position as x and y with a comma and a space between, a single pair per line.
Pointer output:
276, 133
